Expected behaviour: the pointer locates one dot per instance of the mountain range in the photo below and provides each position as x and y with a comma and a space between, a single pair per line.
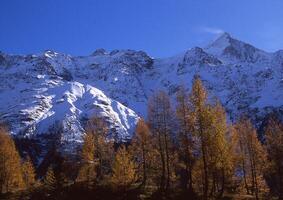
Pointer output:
40, 91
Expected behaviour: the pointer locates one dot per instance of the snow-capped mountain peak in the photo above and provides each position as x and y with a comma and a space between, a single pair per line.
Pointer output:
229, 48
217, 46
37, 91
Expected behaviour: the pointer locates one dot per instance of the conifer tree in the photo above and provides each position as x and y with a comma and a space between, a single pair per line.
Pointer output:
103, 146
123, 170
97, 153
274, 143
50, 181
87, 172
252, 156
142, 150
88, 148
28, 173
10, 170
201, 127
220, 163
161, 118
207, 123
185, 138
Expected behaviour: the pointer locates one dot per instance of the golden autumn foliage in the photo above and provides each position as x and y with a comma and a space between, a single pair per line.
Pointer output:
124, 169
161, 119
11, 178
220, 163
252, 158
103, 146
201, 129
97, 153
87, 172
142, 151
186, 141
274, 145
28, 172
50, 181
208, 127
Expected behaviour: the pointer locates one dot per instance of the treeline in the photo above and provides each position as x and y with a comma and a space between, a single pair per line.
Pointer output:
184, 152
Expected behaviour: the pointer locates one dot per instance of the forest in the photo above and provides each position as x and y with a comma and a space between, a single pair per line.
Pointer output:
187, 151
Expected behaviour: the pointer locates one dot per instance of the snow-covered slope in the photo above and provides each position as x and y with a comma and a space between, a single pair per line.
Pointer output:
38, 91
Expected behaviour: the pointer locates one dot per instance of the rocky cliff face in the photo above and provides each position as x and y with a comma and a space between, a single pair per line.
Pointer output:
38, 91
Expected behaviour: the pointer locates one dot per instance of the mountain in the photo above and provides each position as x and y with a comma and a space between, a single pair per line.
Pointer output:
41, 90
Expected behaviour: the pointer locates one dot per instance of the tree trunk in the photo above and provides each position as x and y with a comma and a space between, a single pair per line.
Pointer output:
280, 173
167, 163
205, 192
191, 189
162, 180
144, 167
222, 184
255, 180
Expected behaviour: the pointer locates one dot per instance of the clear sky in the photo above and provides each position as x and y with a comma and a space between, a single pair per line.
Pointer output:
159, 27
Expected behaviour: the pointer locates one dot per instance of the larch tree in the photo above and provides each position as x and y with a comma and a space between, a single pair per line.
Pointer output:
97, 152
123, 170
235, 159
11, 178
220, 163
208, 126
103, 146
87, 172
185, 139
201, 127
160, 117
274, 143
141, 146
49, 180
253, 157
28, 173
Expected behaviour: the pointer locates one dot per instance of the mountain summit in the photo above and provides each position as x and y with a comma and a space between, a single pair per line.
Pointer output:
217, 46
229, 48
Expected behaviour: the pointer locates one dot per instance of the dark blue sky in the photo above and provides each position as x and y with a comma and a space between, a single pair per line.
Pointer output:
160, 27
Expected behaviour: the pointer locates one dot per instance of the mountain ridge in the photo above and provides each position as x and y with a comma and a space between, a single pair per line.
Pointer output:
38, 90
